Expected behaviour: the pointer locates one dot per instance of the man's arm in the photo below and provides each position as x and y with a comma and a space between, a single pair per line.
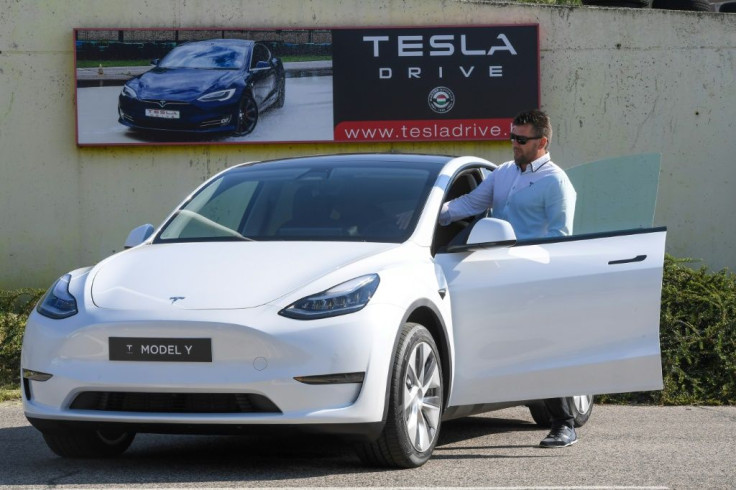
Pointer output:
472, 203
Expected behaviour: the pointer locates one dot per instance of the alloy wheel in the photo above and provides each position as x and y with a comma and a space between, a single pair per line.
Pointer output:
582, 403
422, 391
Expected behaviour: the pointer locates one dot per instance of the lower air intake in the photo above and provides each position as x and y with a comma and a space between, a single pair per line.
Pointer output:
112, 401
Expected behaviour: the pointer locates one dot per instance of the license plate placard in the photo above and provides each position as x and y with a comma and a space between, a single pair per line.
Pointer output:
160, 349
162, 113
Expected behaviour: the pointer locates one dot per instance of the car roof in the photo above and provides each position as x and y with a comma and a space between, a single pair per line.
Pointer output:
225, 42
433, 162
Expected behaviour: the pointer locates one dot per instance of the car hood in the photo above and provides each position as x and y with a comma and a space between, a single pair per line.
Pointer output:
225, 275
183, 84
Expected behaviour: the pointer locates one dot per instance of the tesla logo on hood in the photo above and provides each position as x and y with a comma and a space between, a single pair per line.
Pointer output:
161, 103
174, 299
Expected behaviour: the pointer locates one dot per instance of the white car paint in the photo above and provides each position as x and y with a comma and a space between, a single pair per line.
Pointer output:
223, 275
556, 319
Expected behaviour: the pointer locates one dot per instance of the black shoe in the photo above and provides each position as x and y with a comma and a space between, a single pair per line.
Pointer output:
560, 437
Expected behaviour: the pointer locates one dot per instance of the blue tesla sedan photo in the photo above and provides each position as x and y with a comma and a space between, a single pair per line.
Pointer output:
214, 86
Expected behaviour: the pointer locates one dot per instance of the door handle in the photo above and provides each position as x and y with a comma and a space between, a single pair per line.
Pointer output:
638, 258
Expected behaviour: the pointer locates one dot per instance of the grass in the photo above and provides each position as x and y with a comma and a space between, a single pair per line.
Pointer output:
15, 306
9, 393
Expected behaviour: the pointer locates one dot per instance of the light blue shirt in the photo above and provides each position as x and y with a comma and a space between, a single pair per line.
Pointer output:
538, 202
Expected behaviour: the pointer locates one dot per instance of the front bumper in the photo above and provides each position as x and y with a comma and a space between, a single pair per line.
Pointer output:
192, 117
254, 352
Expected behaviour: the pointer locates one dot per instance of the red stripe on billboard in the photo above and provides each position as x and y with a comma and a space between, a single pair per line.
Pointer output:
424, 130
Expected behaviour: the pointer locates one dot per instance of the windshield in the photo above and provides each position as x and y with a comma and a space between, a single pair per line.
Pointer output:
206, 55
321, 202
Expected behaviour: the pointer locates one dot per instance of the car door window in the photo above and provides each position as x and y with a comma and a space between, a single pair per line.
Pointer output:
615, 194
260, 53
463, 183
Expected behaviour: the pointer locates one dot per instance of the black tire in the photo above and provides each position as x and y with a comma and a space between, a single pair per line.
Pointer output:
88, 444
415, 404
581, 407
246, 116
281, 98
694, 5
727, 7
618, 3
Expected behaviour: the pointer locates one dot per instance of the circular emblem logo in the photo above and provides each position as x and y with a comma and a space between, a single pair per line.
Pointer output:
441, 100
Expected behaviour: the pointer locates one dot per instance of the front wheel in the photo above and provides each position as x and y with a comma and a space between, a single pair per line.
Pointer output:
415, 404
246, 117
88, 444
581, 407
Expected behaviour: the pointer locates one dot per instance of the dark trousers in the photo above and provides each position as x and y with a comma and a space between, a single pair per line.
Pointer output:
559, 409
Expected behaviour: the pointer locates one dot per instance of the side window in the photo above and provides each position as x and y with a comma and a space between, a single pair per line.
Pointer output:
463, 183
615, 194
260, 53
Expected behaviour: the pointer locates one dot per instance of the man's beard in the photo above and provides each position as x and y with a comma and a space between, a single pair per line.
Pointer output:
521, 159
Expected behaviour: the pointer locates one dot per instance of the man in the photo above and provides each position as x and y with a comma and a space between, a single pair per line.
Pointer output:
537, 198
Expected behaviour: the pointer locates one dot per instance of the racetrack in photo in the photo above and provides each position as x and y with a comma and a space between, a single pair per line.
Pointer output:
306, 116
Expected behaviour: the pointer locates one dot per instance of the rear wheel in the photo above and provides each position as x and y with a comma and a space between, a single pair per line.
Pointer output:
415, 404
581, 407
89, 444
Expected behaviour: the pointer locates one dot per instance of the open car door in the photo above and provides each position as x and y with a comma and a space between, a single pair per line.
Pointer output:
556, 317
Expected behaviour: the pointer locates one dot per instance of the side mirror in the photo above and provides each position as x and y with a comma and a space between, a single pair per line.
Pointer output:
262, 65
139, 235
155, 61
492, 231
487, 232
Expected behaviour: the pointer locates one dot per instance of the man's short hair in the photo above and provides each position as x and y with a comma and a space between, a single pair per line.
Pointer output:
539, 121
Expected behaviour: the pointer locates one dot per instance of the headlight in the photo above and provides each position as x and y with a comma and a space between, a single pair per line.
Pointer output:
218, 96
129, 92
342, 299
58, 302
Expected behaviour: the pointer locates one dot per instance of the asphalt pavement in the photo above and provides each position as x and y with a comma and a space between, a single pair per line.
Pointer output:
620, 447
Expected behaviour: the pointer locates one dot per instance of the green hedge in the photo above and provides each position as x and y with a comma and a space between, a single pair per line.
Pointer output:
697, 337
15, 306
697, 333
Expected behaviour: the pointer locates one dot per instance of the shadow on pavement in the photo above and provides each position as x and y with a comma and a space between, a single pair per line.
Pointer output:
172, 459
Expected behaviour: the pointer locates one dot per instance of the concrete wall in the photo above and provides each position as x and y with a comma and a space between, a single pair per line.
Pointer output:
616, 82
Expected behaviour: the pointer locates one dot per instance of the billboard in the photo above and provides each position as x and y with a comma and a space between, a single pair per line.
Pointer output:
241, 86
